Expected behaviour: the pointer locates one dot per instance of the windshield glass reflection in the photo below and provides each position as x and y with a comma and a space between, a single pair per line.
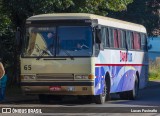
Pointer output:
61, 41
76, 40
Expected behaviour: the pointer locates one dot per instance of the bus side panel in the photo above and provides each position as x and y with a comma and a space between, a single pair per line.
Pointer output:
117, 78
122, 74
118, 74
99, 80
104, 63
129, 78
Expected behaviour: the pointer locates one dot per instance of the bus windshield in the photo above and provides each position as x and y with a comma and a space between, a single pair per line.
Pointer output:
61, 41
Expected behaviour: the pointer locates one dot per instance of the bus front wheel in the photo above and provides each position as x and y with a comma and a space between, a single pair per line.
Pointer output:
101, 98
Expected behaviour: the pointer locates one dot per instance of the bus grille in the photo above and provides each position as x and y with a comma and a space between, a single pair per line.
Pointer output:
55, 77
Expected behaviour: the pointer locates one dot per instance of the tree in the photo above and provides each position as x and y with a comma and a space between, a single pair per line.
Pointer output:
19, 10
143, 12
6, 40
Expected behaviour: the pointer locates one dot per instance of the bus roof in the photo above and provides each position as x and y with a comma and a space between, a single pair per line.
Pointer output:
101, 20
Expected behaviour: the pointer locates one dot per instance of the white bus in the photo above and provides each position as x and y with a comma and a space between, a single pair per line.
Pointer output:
85, 55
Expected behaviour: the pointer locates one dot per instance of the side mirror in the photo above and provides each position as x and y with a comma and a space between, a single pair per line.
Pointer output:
101, 47
17, 42
98, 35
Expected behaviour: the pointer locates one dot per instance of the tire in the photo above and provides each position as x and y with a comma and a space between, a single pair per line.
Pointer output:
133, 94
43, 98
101, 98
123, 95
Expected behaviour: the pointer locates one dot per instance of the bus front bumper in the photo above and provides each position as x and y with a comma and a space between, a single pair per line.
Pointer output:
58, 88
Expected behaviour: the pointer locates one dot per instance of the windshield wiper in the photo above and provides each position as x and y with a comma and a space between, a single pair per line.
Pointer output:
46, 51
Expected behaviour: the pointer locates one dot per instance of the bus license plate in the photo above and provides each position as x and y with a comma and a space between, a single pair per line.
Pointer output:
55, 88
71, 88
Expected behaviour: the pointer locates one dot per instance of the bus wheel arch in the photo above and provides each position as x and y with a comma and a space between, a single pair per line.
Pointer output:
133, 94
105, 95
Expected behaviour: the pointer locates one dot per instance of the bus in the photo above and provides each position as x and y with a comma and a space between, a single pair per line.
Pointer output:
83, 54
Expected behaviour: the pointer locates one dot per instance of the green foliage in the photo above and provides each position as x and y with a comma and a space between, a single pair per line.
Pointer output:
4, 21
90, 6
154, 71
21, 9
4, 25
118, 5
6, 33
6, 40
143, 12
100, 6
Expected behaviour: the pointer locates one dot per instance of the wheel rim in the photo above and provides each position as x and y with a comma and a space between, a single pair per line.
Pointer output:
104, 92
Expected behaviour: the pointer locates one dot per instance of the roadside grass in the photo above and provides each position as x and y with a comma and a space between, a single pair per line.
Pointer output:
154, 71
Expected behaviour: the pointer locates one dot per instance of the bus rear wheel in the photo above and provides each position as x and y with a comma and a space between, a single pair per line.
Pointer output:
101, 98
133, 94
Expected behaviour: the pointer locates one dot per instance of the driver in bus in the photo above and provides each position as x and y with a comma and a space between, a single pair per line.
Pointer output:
81, 46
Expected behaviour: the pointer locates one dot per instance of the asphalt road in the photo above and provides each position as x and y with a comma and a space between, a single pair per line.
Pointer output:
148, 97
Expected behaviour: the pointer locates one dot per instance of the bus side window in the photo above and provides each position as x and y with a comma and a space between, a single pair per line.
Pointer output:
110, 37
115, 38
107, 38
103, 32
129, 38
143, 42
119, 38
137, 42
132, 40
123, 42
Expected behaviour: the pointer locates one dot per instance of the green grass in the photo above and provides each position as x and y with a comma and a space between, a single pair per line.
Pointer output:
154, 71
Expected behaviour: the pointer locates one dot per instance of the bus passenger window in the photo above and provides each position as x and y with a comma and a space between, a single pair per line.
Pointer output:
123, 43
143, 42
107, 38
137, 41
119, 39
129, 38
115, 38
103, 32
110, 37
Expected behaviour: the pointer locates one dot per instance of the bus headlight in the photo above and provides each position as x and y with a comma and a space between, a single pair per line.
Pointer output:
84, 77
81, 77
29, 77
